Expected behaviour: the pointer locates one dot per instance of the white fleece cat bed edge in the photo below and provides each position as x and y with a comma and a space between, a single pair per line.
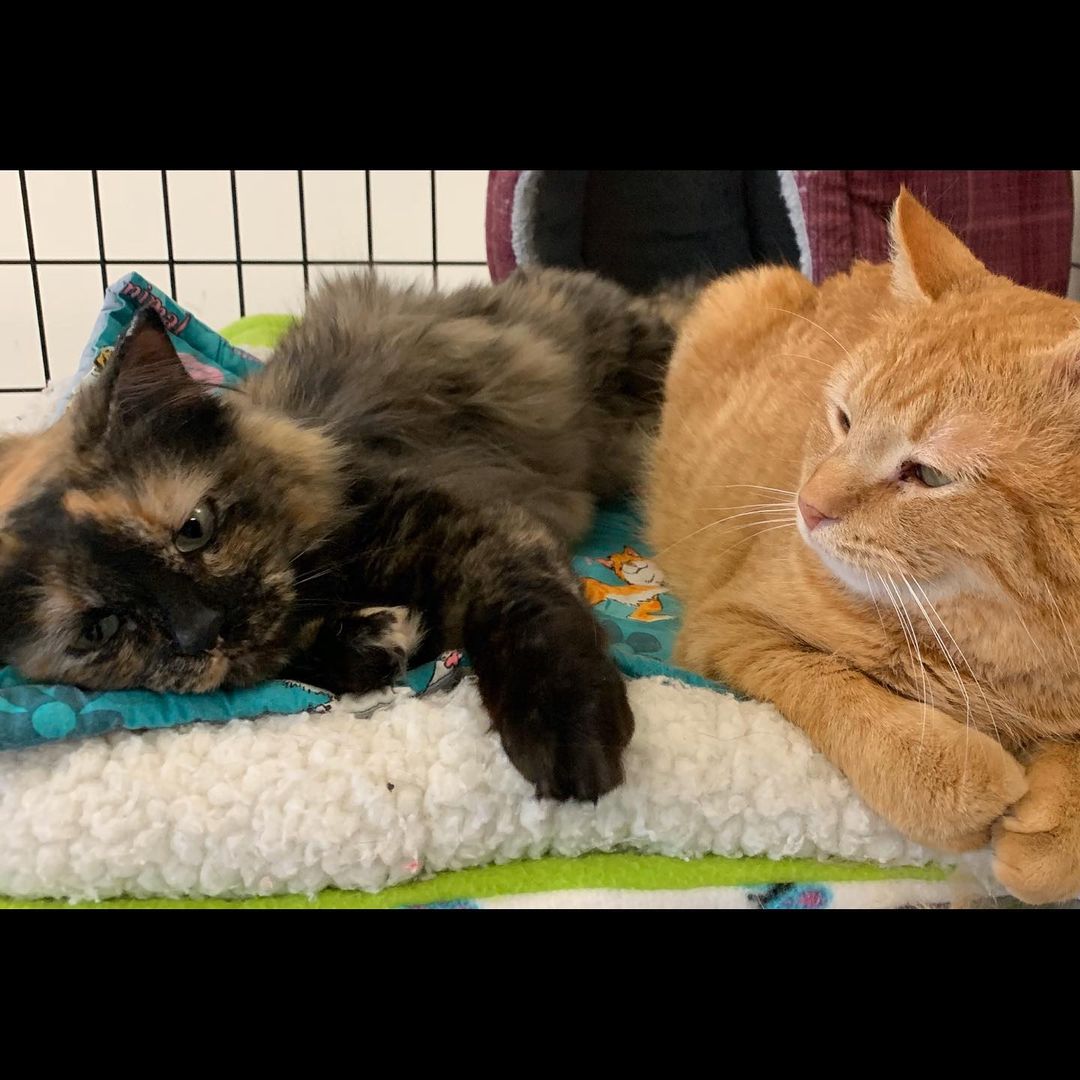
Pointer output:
298, 804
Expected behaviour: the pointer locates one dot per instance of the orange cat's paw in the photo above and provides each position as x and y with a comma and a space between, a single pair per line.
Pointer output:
987, 781
1037, 845
948, 784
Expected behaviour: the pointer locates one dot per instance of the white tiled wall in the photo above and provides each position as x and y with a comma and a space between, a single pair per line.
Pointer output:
419, 225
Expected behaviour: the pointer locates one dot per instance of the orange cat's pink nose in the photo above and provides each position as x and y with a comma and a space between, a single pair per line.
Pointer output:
812, 515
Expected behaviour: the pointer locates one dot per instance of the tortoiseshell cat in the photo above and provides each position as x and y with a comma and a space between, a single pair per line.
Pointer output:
404, 476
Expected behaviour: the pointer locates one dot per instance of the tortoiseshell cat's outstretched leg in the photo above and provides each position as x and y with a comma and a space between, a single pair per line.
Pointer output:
555, 697
357, 649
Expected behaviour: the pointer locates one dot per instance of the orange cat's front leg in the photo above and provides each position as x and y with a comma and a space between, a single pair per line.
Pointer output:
1037, 845
937, 781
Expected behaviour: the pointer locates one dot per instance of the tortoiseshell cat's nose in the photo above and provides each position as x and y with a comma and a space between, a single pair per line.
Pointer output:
195, 628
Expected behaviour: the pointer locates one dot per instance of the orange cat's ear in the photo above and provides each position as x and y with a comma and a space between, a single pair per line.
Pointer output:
927, 259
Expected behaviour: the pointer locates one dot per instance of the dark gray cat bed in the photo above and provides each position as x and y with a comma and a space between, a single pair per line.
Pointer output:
641, 228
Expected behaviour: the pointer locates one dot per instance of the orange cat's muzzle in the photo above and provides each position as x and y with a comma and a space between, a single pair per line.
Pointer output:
812, 515
832, 490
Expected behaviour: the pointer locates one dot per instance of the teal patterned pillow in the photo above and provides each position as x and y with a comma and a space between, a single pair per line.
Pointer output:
33, 713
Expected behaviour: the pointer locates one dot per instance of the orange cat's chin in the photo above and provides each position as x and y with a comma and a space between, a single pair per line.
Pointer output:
866, 580
855, 578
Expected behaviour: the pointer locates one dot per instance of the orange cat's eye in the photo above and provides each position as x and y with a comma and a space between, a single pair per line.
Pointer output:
926, 475
843, 420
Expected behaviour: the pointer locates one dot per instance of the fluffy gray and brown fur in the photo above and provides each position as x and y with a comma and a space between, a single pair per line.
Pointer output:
405, 475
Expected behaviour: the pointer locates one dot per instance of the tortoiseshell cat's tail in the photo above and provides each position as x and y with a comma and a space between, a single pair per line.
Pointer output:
671, 302
632, 394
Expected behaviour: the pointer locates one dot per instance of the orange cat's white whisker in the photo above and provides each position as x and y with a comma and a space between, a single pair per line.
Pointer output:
927, 690
819, 326
763, 521
755, 506
765, 516
877, 608
910, 641
803, 356
974, 677
928, 679
754, 536
1061, 619
760, 487
721, 521
1038, 648
899, 614
948, 657
912, 645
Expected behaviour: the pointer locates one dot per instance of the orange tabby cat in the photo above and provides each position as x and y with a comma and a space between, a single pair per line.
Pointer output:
867, 495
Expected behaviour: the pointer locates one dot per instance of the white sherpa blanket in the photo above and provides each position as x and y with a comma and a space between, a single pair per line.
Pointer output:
408, 787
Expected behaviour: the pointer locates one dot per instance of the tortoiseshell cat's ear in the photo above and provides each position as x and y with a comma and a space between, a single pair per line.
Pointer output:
143, 376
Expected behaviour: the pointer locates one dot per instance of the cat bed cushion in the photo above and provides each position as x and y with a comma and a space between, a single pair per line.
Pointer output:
639, 228
32, 713
645, 227
393, 787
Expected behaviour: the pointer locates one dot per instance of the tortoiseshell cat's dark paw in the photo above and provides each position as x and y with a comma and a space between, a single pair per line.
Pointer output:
359, 650
563, 726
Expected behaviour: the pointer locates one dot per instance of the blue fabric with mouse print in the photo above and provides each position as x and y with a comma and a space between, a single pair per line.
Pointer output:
205, 354
628, 596
620, 581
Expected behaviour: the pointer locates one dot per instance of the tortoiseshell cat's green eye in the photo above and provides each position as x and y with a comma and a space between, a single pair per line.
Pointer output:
198, 530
